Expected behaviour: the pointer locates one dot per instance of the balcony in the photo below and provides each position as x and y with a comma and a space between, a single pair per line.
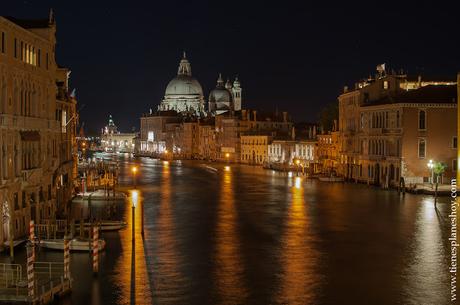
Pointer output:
22, 122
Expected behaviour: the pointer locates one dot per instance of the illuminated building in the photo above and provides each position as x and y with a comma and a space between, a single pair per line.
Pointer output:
328, 152
390, 126
114, 141
254, 148
37, 133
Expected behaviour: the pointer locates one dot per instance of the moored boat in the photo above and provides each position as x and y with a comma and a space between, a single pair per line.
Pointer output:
108, 225
76, 244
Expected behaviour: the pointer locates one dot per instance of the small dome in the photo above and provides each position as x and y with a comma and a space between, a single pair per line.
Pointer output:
220, 95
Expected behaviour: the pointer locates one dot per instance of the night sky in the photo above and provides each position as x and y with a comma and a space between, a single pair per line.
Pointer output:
290, 55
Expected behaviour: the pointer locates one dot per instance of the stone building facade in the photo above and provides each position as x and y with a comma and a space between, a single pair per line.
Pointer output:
391, 126
37, 127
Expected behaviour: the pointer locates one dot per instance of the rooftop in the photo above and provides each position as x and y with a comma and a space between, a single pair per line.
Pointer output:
29, 23
439, 94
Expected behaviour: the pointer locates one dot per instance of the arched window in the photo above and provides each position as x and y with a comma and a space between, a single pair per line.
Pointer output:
422, 120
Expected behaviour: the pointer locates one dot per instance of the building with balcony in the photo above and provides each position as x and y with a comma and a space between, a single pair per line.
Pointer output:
37, 127
391, 126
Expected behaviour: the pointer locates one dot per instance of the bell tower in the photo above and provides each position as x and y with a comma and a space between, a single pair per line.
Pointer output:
236, 92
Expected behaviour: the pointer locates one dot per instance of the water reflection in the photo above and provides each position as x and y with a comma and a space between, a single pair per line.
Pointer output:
250, 236
131, 272
425, 260
228, 269
169, 278
298, 255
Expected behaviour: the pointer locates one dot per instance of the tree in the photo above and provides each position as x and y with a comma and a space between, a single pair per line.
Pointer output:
328, 115
438, 170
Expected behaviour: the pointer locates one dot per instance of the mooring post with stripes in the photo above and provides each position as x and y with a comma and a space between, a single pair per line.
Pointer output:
95, 249
32, 237
32, 231
30, 270
67, 257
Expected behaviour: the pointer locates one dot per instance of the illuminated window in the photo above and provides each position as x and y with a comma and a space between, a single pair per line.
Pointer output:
64, 121
421, 148
150, 136
385, 85
422, 120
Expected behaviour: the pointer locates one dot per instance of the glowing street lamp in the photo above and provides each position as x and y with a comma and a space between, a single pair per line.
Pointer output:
134, 171
227, 156
431, 166
134, 201
297, 162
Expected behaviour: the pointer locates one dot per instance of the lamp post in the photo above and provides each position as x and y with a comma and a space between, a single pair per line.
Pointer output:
431, 166
134, 198
227, 156
134, 171
297, 161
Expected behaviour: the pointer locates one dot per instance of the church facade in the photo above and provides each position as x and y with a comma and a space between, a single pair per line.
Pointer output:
184, 94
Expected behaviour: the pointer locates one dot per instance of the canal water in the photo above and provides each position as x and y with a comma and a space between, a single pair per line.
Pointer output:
218, 234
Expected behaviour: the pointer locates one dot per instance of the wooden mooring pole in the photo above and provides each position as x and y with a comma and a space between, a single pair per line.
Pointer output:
95, 249
66, 257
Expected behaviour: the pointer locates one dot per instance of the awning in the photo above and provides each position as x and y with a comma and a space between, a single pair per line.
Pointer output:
30, 135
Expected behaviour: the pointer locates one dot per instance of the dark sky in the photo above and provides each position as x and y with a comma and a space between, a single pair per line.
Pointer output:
293, 55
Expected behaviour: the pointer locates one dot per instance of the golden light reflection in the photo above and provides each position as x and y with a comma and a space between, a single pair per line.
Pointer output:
228, 261
131, 268
168, 255
227, 168
299, 258
134, 198
298, 182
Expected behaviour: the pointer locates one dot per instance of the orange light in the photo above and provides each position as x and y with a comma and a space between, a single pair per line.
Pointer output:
134, 169
297, 161
227, 155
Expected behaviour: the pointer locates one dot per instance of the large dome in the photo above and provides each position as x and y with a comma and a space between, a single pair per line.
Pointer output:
183, 85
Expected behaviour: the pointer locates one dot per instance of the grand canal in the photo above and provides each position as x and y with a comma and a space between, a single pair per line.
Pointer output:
244, 235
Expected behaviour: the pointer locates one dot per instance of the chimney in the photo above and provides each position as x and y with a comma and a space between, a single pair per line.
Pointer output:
419, 81
285, 117
345, 89
254, 113
314, 131
243, 114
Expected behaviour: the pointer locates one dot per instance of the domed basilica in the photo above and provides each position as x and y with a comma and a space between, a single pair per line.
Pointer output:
184, 94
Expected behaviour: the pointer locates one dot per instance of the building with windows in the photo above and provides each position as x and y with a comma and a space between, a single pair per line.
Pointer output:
115, 141
37, 127
254, 148
328, 152
391, 126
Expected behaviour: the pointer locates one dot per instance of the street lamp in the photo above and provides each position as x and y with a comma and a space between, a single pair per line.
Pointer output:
297, 162
134, 170
431, 166
227, 155
134, 200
